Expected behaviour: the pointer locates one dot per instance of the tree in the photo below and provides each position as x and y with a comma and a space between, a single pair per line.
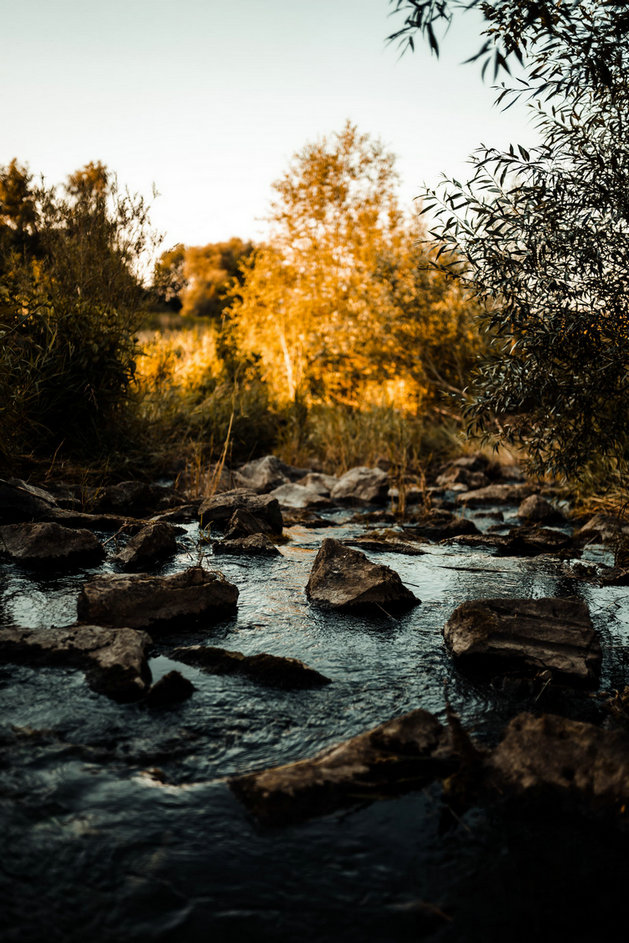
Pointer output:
199, 279
335, 303
545, 236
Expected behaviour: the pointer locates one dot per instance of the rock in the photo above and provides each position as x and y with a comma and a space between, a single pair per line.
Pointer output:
385, 544
342, 578
531, 541
553, 756
319, 482
602, 528
271, 670
20, 501
471, 463
496, 494
257, 545
496, 635
219, 508
169, 691
265, 474
462, 479
47, 544
403, 754
499, 543
158, 602
107, 522
537, 510
295, 517
292, 495
440, 525
152, 544
114, 660
361, 485
243, 523
134, 498
181, 514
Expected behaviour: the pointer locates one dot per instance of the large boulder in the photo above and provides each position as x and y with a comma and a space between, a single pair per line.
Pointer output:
343, 578
114, 660
154, 543
158, 602
243, 523
508, 493
538, 510
265, 474
270, 670
292, 495
20, 501
361, 485
47, 544
550, 756
403, 754
220, 507
317, 481
498, 635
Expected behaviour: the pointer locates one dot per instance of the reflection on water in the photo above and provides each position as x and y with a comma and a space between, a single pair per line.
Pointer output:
116, 822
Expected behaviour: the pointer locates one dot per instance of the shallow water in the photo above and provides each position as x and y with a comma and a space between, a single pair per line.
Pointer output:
116, 822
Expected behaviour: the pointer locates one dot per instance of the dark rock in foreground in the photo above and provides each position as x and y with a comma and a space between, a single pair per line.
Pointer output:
157, 602
549, 756
342, 578
154, 543
20, 501
497, 635
270, 670
258, 545
361, 485
47, 544
243, 523
403, 754
169, 691
114, 660
219, 508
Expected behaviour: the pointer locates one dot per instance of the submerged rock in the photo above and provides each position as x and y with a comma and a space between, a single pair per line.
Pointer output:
549, 755
510, 493
257, 545
342, 578
270, 670
114, 660
158, 602
292, 495
20, 501
48, 544
498, 635
403, 754
361, 485
220, 507
169, 691
152, 544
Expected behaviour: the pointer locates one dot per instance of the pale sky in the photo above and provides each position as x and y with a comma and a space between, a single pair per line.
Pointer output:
209, 100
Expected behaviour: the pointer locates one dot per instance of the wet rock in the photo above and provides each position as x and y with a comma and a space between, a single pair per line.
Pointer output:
181, 514
153, 544
440, 525
270, 670
472, 463
265, 474
342, 578
257, 545
172, 689
219, 508
298, 517
385, 544
243, 523
20, 501
108, 522
537, 510
133, 498
494, 636
496, 494
47, 544
553, 756
114, 660
361, 485
531, 541
462, 479
602, 528
499, 543
401, 755
158, 602
292, 495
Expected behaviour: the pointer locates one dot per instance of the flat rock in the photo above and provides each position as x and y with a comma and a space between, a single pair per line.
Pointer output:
297, 517
508, 493
264, 474
114, 660
20, 501
538, 510
531, 541
292, 495
343, 578
48, 544
220, 507
440, 525
153, 544
271, 670
382, 544
550, 755
401, 755
257, 545
181, 514
497, 635
158, 602
361, 485
107, 522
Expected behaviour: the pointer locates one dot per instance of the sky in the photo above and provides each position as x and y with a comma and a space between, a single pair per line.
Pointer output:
207, 101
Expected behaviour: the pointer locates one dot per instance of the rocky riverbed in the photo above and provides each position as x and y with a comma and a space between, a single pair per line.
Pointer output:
294, 748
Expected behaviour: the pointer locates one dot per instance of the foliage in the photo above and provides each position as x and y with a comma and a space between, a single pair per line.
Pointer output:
340, 304
545, 235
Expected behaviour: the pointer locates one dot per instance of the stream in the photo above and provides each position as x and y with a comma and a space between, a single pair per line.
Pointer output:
117, 823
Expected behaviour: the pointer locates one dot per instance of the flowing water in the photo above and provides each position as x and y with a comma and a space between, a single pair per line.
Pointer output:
117, 823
